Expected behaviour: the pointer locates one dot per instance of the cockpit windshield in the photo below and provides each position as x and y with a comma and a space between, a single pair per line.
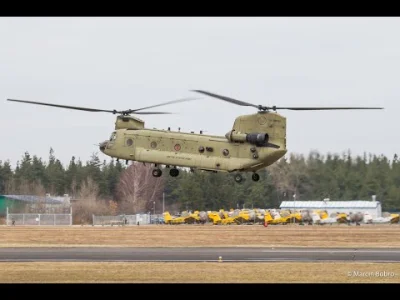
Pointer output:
113, 136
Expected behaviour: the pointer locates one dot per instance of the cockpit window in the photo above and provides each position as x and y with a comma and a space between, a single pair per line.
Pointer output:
113, 136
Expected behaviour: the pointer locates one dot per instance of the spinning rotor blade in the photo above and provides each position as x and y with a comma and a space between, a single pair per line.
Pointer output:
165, 103
261, 107
63, 106
323, 108
151, 113
124, 112
228, 99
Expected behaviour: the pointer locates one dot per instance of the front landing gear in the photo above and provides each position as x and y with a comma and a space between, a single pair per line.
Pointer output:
174, 172
255, 177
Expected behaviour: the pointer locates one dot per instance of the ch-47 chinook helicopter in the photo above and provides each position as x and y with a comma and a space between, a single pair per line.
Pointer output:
254, 142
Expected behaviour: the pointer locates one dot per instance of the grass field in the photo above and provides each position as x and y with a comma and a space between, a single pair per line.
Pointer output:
198, 235
74, 272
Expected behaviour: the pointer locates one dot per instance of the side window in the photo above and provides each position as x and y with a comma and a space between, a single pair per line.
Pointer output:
113, 137
129, 142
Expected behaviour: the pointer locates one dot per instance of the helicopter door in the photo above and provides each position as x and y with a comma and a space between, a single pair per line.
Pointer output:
129, 144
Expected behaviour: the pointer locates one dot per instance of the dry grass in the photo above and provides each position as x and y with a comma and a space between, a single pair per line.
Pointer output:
203, 236
102, 272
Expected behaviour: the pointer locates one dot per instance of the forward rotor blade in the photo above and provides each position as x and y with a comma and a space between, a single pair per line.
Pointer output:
164, 103
228, 99
63, 106
323, 108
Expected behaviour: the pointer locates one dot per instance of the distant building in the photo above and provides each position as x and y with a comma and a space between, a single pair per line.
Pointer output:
373, 207
20, 202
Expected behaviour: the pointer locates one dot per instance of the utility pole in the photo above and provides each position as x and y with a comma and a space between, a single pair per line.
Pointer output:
163, 201
294, 208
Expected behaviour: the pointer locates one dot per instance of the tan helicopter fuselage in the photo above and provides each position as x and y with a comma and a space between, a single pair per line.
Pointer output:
238, 150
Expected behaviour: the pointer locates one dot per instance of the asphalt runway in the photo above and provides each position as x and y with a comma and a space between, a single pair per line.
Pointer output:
245, 254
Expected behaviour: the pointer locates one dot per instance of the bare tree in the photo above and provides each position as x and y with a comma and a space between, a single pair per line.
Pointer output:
10, 187
25, 187
139, 188
113, 207
88, 203
288, 177
89, 190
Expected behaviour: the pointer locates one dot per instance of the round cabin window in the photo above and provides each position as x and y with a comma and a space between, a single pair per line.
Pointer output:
153, 145
177, 147
129, 142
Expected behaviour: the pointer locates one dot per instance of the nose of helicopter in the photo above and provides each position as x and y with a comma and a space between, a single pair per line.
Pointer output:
103, 146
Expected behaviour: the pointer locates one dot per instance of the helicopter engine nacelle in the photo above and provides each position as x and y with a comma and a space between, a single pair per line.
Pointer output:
257, 139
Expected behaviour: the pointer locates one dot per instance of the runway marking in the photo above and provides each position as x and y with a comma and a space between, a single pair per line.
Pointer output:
330, 251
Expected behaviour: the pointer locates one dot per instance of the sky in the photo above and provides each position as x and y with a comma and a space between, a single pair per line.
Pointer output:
128, 63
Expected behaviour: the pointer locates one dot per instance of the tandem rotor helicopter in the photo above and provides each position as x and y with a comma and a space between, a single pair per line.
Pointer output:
254, 142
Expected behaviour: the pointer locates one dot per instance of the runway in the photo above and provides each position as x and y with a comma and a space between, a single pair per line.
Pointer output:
244, 254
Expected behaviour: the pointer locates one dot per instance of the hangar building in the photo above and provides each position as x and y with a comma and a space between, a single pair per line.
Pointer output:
374, 208
17, 203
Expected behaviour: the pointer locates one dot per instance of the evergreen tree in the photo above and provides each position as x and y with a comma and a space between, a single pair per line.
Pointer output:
314, 177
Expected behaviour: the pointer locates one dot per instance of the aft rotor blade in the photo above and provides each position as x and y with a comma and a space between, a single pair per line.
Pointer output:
262, 107
63, 106
164, 103
151, 113
323, 108
228, 99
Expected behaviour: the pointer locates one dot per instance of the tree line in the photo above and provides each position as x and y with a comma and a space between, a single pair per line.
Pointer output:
131, 188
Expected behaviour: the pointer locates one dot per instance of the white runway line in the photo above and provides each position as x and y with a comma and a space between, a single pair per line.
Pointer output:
331, 251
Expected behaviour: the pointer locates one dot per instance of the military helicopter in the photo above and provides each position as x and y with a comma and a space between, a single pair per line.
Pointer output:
254, 142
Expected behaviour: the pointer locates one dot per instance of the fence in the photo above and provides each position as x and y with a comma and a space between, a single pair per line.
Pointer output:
142, 219
39, 219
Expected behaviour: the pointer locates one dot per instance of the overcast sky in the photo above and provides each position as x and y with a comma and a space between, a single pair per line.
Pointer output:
128, 63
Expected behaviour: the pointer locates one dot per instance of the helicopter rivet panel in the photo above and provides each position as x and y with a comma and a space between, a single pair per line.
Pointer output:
262, 120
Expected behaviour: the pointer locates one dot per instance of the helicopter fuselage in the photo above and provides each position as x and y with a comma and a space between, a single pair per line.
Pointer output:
255, 142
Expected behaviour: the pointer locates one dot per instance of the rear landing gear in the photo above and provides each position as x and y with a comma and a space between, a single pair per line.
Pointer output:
255, 177
238, 178
174, 172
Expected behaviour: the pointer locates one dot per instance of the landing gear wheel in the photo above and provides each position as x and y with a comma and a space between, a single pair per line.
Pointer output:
156, 172
255, 177
238, 178
174, 172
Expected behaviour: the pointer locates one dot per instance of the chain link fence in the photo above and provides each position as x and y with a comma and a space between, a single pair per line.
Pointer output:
39, 219
138, 219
